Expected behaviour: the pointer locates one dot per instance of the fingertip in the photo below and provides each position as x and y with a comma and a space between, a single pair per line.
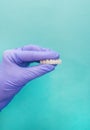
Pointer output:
49, 67
53, 55
57, 55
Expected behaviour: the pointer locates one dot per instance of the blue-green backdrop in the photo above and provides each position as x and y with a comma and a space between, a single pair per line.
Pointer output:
59, 100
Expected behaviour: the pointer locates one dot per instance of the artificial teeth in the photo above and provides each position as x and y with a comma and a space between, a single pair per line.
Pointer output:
51, 61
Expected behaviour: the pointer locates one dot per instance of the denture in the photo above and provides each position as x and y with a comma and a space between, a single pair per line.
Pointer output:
51, 61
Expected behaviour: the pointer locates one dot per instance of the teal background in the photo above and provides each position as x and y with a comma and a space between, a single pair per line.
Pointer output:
59, 100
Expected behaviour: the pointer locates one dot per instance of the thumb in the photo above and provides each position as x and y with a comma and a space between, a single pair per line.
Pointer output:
37, 71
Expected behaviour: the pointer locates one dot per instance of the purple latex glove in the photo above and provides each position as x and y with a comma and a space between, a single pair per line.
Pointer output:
15, 71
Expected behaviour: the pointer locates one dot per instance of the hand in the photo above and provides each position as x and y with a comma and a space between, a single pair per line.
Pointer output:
15, 71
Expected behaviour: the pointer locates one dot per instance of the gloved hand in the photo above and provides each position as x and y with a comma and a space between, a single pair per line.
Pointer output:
15, 71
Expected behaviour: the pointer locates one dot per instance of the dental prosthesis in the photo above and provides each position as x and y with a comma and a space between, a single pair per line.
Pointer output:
51, 61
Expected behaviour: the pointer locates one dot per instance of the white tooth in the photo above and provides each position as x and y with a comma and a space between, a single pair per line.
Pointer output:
60, 61
50, 61
57, 61
41, 62
44, 61
47, 61
54, 62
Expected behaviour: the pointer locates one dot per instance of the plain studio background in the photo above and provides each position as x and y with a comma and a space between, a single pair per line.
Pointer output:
59, 100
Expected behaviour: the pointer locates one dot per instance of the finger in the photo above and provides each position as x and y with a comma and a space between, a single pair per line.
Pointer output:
28, 56
33, 48
37, 71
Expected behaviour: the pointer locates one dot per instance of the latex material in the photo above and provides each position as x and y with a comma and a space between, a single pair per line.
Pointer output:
15, 71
